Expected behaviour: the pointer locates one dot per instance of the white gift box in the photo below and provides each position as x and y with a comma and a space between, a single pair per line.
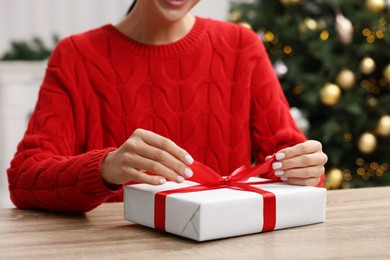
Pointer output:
224, 212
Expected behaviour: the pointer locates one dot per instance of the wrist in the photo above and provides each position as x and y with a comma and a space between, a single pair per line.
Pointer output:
105, 170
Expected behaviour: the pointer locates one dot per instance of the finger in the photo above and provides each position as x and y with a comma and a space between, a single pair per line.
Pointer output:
142, 177
161, 156
268, 157
301, 182
308, 147
165, 144
303, 173
138, 162
302, 161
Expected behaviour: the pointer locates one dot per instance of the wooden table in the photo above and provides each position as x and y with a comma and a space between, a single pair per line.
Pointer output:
357, 227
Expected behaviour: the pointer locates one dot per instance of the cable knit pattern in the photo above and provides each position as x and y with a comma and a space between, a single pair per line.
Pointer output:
213, 92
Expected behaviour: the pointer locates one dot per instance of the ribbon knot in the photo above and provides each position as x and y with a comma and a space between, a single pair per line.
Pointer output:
225, 181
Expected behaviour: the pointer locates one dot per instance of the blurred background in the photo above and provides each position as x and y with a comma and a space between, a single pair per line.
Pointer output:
331, 56
333, 60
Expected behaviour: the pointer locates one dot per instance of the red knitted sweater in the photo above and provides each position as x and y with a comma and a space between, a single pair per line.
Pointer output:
214, 93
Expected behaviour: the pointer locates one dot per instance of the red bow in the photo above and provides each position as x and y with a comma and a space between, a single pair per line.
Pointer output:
209, 180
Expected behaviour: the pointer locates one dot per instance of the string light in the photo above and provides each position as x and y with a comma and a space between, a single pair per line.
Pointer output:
345, 185
374, 166
370, 38
246, 25
382, 21
366, 32
382, 82
347, 136
372, 35
367, 170
365, 83
287, 50
347, 175
324, 36
269, 36
379, 34
359, 161
298, 89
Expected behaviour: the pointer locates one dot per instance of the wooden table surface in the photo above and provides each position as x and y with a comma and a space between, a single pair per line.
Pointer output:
357, 227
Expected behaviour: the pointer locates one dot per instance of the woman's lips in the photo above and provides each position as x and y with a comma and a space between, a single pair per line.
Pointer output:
175, 3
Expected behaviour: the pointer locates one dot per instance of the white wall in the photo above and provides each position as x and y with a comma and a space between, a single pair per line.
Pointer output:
19, 85
19, 81
23, 19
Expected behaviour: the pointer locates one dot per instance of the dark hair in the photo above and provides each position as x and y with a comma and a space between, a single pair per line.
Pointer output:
131, 7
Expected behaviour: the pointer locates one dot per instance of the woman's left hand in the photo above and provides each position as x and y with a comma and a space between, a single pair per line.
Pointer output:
302, 164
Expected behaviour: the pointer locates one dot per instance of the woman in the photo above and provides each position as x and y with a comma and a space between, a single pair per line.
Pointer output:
150, 94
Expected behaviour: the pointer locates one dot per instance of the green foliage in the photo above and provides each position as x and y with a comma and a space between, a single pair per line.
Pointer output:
34, 49
314, 61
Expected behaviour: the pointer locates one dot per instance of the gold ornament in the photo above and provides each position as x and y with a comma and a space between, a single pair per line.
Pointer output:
334, 178
344, 29
386, 73
346, 79
290, 2
383, 127
367, 143
246, 25
367, 66
376, 6
330, 94
234, 16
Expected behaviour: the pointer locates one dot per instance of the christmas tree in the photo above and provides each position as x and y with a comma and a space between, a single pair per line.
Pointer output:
333, 60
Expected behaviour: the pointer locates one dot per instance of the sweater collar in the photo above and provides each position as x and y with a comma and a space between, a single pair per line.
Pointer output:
169, 49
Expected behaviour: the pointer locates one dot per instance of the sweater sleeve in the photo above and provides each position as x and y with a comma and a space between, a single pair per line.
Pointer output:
272, 127
50, 170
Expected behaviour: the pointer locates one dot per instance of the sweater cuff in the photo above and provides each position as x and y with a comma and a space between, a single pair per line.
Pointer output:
90, 180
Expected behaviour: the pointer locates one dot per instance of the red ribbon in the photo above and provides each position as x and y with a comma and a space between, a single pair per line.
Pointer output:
210, 180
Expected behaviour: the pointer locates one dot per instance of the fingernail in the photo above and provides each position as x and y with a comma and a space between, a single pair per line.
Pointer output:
162, 181
188, 172
180, 178
188, 159
280, 156
279, 173
277, 165
284, 179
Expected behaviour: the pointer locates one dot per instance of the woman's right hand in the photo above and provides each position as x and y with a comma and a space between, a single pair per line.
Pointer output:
146, 151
